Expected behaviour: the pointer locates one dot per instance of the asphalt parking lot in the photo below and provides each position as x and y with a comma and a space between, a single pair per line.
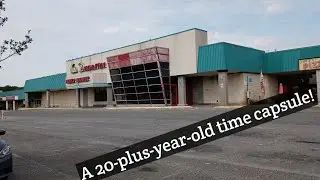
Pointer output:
48, 143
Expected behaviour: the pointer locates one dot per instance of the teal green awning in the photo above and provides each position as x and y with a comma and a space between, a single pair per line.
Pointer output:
53, 82
19, 93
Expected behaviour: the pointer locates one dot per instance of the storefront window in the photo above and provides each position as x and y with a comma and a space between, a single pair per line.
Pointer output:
145, 82
100, 94
142, 87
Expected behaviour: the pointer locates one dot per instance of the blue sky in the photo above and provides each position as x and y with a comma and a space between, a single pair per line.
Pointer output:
66, 29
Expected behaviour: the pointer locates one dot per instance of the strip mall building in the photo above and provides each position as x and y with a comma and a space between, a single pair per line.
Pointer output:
177, 69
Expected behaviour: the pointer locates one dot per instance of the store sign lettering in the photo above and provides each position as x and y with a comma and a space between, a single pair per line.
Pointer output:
309, 64
82, 68
94, 67
78, 80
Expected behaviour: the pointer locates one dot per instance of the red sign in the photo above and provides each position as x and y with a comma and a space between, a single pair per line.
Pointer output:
163, 58
112, 59
78, 80
94, 67
139, 57
123, 57
141, 53
113, 65
144, 59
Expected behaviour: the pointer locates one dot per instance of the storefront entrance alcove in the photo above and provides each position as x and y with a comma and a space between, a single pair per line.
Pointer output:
296, 81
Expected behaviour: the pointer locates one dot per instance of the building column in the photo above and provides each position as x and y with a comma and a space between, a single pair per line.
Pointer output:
14, 105
26, 100
223, 88
7, 105
318, 84
109, 96
182, 93
77, 98
48, 99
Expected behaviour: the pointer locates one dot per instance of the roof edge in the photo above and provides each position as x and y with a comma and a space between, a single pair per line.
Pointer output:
223, 42
293, 49
45, 76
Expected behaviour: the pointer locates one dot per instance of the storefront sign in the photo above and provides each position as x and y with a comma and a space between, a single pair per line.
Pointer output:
94, 67
113, 65
78, 80
309, 64
83, 68
144, 59
142, 53
163, 58
139, 57
8, 98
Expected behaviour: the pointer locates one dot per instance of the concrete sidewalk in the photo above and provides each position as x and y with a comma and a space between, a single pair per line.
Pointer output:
107, 108
24, 109
141, 107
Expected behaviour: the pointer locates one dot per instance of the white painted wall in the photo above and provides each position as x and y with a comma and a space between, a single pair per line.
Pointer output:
96, 76
182, 46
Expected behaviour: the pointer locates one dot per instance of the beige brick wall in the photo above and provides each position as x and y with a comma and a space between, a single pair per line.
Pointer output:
236, 89
271, 85
64, 98
90, 97
43, 99
197, 90
253, 86
210, 90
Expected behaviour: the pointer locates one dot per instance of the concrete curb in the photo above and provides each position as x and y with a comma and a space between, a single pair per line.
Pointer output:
26, 109
139, 108
150, 107
227, 107
217, 107
111, 108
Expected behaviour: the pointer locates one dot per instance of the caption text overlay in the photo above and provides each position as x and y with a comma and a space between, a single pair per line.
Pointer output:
195, 134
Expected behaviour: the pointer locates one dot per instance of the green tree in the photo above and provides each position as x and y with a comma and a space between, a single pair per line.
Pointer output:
9, 88
11, 47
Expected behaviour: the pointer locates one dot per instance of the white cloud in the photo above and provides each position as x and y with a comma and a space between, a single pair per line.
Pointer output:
140, 29
276, 6
125, 27
111, 30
